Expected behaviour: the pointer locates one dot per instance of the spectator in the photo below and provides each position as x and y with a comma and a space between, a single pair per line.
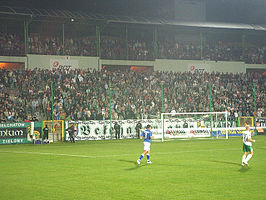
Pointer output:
134, 95
138, 48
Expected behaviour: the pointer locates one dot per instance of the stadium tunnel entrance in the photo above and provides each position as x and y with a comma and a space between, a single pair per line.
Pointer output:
128, 68
12, 65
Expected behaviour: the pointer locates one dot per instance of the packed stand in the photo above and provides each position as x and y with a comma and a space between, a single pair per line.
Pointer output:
140, 50
11, 45
84, 95
115, 48
178, 50
255, 55
49, 45
85, 46
223, 51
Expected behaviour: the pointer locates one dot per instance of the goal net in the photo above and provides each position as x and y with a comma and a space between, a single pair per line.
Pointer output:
194, 125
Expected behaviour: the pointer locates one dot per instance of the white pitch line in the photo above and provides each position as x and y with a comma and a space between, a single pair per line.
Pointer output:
106, 156
121, 155
51, 154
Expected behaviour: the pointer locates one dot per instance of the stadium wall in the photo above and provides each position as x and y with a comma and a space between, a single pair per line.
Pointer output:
12, 59
192, 65
127, 63
47, 61
255, 66
50, 61
83, 62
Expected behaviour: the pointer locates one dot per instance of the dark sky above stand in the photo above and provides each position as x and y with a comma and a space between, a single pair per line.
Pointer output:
245, 11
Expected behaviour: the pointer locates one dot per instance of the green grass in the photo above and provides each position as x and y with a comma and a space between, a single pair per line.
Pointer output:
191, 169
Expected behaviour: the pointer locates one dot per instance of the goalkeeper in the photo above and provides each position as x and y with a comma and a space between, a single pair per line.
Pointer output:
147, 135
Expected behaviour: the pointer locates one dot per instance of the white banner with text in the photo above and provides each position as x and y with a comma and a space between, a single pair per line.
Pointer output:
100, 129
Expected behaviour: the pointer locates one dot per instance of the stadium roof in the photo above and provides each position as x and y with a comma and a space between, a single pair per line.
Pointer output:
58, 13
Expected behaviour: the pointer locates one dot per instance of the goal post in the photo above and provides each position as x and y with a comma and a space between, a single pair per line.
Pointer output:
194, 124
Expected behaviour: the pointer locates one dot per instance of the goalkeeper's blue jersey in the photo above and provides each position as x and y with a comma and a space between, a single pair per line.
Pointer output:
147, 135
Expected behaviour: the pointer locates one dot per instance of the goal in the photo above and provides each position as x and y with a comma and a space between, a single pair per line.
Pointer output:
194, 125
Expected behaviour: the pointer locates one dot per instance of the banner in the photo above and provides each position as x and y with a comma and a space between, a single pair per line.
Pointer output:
187, 133
38, 130
14, 133
197, 67
261, 125
261, 122
100, 130
63, 64
231, 132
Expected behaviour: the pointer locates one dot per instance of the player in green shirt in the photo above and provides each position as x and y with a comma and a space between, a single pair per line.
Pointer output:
247, 146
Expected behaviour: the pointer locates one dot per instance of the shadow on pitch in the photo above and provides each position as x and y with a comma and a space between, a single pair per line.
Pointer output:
226, 162
134, 163
143, 164
244, 169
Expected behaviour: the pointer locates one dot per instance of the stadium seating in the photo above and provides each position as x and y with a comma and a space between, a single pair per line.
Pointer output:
84, 95
115, 48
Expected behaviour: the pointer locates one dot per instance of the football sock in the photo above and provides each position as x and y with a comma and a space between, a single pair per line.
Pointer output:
148, 157
141, 156
243, 158
248, 157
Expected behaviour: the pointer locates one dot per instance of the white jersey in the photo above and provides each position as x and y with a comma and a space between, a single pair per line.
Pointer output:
246, 136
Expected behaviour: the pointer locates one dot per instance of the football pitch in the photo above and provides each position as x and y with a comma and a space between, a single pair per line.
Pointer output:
181, 169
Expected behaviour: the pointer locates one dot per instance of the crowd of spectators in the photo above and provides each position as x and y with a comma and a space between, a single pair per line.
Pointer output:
85, 95
168, 49
11, 44
140, 50
45, 46
116, 48
113, 48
